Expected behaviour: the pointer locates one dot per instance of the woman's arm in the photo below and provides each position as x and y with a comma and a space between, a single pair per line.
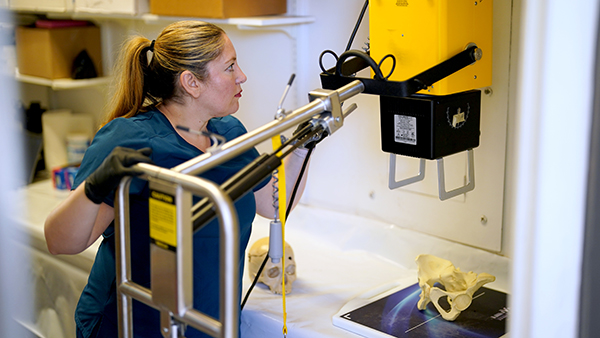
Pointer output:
76, 223
293, 164
79, 220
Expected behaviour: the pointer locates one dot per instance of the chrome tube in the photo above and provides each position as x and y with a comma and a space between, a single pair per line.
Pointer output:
138, 292
229, 242
196, 319
123, 257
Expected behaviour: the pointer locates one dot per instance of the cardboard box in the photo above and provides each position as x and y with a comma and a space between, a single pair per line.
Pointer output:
132, 7
49, 53
218, 8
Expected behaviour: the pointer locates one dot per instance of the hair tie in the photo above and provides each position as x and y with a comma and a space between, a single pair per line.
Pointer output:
149, 56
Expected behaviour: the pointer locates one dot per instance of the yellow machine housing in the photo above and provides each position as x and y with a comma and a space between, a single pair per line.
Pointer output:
423, 33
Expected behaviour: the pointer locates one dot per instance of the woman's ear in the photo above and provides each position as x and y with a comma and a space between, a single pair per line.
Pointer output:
190, 83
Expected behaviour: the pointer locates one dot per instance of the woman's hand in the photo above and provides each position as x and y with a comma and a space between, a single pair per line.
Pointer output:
116, 166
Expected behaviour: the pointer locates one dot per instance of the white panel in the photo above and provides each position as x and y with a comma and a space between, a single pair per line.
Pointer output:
57, 125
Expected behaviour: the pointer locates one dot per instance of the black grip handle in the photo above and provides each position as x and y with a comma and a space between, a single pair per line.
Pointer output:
236, 186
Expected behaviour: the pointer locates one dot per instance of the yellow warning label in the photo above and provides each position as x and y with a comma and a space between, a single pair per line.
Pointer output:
163, 219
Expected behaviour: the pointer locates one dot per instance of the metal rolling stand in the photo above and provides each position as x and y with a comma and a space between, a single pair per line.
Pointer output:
171, 225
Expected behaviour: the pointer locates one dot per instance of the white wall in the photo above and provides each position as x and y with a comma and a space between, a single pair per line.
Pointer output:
550, 164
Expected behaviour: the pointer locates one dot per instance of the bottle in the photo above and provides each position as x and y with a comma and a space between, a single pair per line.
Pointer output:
77, 144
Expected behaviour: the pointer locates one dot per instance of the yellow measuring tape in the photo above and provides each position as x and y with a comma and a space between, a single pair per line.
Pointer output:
276, 140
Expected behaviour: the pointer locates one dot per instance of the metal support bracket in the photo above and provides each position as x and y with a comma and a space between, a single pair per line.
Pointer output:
333, 117
393, 184
443, 194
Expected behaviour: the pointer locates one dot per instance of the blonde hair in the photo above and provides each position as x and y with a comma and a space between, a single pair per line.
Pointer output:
139, 84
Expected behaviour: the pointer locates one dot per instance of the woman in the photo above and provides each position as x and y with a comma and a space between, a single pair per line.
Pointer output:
189, 76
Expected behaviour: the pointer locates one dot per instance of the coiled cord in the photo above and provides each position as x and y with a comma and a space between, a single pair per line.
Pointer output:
289, 209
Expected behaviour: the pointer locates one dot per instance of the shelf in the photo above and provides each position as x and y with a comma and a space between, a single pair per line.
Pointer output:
61, 84
255, 21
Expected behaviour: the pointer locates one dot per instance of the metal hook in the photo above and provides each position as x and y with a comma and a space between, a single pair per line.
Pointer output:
443, 194
393, 184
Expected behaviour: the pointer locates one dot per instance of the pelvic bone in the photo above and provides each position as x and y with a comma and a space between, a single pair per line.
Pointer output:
460, 286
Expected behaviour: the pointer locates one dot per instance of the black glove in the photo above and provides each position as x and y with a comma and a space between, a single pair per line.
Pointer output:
109, 174
314, 140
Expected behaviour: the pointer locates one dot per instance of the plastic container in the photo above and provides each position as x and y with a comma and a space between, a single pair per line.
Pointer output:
77, 144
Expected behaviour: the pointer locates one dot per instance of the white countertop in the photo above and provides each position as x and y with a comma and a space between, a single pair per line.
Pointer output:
37, 200
339, 257
55, 281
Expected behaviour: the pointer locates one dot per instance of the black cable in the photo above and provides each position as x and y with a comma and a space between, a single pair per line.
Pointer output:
366, 57
360, 17
352, 36
289, 209
393, 64
357, 53
262, 267
328, 51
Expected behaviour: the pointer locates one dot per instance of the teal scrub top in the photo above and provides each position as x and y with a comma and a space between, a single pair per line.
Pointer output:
96, 313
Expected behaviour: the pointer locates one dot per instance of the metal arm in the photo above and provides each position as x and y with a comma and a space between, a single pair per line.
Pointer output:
245, 142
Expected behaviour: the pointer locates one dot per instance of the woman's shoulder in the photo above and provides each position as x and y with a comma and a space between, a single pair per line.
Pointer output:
228, 126
144, 125
139, 121
133, 132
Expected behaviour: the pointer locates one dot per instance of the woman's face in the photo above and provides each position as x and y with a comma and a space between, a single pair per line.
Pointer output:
222, 88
